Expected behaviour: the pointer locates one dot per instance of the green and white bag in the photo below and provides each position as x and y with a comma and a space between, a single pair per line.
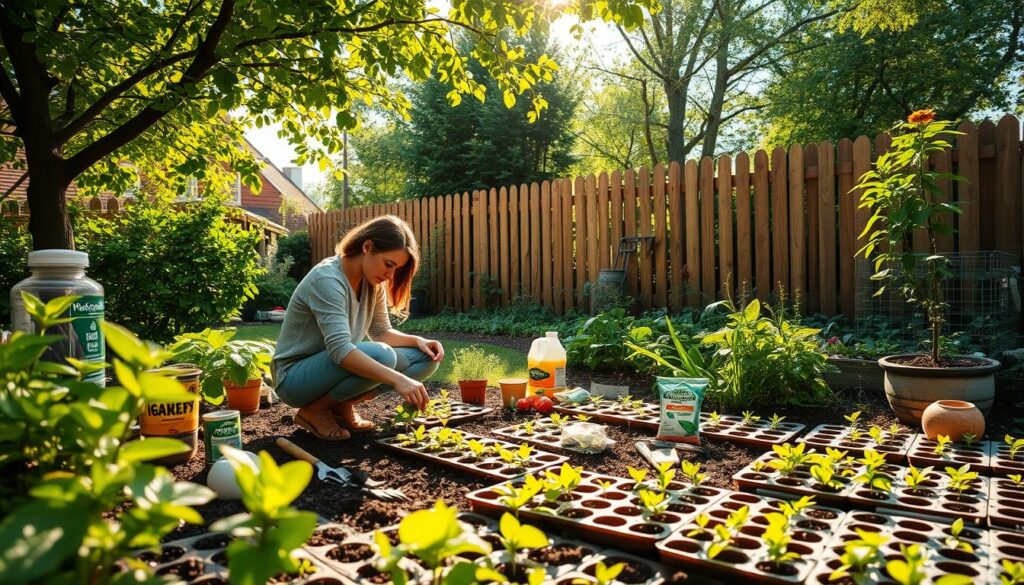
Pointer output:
681, 399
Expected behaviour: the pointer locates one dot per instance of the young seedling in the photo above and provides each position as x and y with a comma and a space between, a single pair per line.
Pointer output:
749, 418
665, 475
596, 400
702, 525
914, 477
791, 509
417, 437
759, 466
1017, 480
515, 537
562, 483
558, 420
853, 421
477, 449
603, 574
515, 497
860, 556
1016, 446
714, 420
826, 476
776, 421
777, 538
969, 439
1012, 573
894, 430
582, 417
527, 427
691, 471
837, 456
877, 435
910, 569
725, 533
789, 458
954, 541
961, 479
605, 485
872, 475
654, 503
638, 475
943, 444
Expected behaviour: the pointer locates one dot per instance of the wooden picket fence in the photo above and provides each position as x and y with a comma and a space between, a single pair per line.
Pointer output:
791, 219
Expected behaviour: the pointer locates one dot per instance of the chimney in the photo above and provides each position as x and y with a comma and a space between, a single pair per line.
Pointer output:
294, 175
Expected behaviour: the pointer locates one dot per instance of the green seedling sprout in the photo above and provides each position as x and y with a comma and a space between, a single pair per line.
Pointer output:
691, 471
724, 533
954, 541
562, 483
527, 427
654, 503
477, 449
605, 485
1017, 480
789, 458
665, 475
582, 417
1012, 573
515, 537
596, 400
603, 574
638, 475
794, 508
872, 476
877, 435
776, 421
777, 538
969, 439
942, 445
714, 419
837, 456
853, 421
859, 556
558, 420
914, 476
961, 479
515, 497
1016, 446
894, 430
910, 569
702, 525
749, 418
759, 465
417, 437
826, 476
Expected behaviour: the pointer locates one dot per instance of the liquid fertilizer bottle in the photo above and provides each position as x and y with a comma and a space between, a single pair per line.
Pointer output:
57, 273
546, 362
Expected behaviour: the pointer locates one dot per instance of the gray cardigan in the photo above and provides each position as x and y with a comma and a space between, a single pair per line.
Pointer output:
325, 314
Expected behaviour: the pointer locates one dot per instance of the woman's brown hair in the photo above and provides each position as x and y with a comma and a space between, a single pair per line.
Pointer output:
387, 233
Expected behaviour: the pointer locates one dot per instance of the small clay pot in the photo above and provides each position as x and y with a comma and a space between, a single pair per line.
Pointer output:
473, 391
512, 389
954, 418
244, 398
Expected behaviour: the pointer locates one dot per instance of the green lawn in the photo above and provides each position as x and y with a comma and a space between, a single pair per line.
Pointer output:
513, 363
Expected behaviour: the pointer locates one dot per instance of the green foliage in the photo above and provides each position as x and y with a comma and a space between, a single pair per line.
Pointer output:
222, 358
671, 357
860, 556
520, 319
274, 285
15, 244
268, 533
166, 270
599, 343
905, 199
910, 570
474, 363
295, 246
75, 494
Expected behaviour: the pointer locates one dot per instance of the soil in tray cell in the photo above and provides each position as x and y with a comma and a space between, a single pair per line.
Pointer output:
893, 446
762, 476
1005, 546
185, 570
923, 454
747, 554
605, 514
1006, 504
759, 433
935, 498
1002, 463
944, 554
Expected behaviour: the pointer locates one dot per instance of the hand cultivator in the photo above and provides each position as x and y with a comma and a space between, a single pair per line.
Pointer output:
342, 476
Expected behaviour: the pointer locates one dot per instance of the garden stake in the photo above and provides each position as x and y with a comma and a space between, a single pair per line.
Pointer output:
343, 476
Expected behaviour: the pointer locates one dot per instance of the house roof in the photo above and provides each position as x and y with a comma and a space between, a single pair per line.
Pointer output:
279, 179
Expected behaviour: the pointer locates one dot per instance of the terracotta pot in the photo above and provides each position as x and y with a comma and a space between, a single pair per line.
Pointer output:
512, 389
473, 391
954, 418
910, 389
244, 398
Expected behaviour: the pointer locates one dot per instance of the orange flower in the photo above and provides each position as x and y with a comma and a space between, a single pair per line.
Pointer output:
921, 116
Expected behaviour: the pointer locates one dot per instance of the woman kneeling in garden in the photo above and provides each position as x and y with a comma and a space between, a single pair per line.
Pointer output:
322, 365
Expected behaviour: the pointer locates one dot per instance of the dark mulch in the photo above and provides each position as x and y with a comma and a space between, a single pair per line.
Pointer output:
425, 484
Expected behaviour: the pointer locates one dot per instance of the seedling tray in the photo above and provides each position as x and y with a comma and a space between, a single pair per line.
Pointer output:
460, 413
746, 557
922, 454
1006, 504
546, 434
931, 500
203, 559
941, 559
649, 417
490, 466
770, 482
753, 433
608, 516
1007, 546
1000, 460
838, 437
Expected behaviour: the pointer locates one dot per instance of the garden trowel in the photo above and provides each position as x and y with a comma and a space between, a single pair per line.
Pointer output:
342, 476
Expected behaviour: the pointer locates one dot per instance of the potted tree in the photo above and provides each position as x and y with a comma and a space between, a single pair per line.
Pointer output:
232, 366
902, 194
472, 366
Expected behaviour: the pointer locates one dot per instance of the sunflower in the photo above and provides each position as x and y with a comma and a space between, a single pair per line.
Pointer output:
921, 116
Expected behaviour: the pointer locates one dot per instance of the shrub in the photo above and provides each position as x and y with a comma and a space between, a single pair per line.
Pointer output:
599, 342
15, 244
520, 319
474, 363
275, 287
295, 246
168, 270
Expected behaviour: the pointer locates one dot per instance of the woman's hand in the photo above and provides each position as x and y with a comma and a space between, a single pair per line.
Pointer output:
431, 347
413, 391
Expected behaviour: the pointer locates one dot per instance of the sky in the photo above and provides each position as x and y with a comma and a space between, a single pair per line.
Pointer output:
601, 42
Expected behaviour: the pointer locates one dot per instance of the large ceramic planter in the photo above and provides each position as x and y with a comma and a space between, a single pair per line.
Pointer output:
245, 398
857, 373
910, 389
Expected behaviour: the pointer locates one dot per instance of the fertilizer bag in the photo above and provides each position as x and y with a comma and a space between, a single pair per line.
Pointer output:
681, 399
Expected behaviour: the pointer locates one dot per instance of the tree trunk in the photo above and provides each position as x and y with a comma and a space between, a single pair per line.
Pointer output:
48, 220
714, 122
675, 94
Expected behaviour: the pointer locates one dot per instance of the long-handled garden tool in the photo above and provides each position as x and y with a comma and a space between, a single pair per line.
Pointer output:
342, 476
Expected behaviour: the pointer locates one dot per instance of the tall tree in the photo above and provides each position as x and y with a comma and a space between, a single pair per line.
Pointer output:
958, 58
86, 85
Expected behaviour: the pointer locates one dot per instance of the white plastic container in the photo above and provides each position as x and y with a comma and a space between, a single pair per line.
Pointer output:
546, 362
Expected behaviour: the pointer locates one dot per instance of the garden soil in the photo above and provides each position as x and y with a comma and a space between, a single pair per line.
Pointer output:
425, 483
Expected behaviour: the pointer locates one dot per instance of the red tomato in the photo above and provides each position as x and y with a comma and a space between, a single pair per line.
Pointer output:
543, 404
524, 404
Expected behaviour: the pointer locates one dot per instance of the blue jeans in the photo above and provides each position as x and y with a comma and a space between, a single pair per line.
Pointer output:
315, 376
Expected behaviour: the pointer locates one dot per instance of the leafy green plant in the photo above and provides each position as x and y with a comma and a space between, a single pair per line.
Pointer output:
943, 444
268, 533
599, 343
853, 421
826, 476
691, 471
905, 198
223, 358
871, 475
638, 475
910, 570
76, 494
296, 247
789, 458
877, 435
702, 520
749, 418
859, 556
1012, 573
1017, 480
1015, 445
725, 533
474, 363
514, 496
15, 244
954, 541
675, 359
560, 485
714, 420
515, 537
775, 422
961, 479
653, 503
417, 437
777, 538
665, 475
603, 574
274, 287
915, 477
969, 439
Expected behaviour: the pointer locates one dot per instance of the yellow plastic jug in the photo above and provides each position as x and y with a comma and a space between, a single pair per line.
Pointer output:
546, 362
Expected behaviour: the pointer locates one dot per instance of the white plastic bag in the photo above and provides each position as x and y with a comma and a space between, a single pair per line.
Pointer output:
585, 437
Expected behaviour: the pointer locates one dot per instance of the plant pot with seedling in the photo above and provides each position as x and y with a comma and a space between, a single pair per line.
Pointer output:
904, 198
232, 366
472, 366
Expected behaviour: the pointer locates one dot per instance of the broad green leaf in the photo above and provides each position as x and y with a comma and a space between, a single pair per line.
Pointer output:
38, 537
152, 448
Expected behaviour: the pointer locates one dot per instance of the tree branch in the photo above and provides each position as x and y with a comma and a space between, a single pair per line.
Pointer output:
636, 54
